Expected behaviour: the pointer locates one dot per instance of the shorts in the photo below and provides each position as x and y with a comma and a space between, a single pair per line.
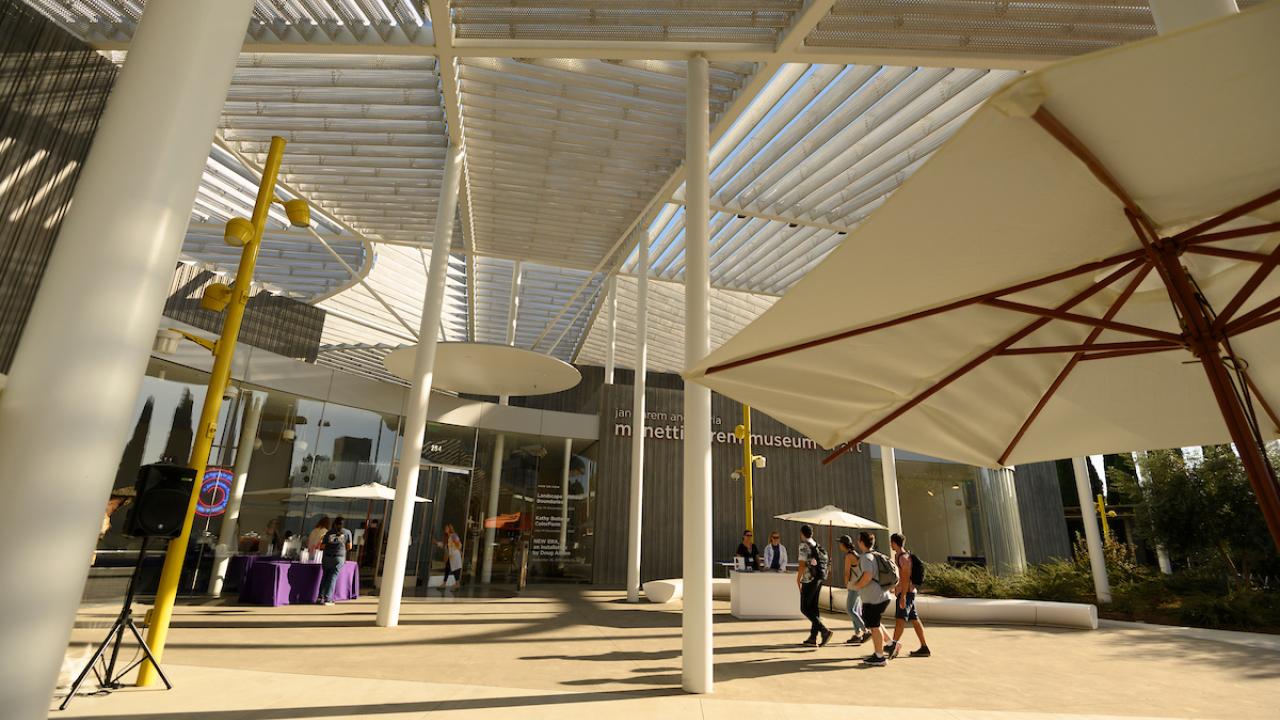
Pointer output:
871, 613
906, 611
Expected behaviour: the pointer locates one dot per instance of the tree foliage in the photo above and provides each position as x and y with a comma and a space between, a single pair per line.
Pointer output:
1204, 512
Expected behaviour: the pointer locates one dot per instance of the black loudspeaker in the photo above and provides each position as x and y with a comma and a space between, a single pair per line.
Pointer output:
164, 493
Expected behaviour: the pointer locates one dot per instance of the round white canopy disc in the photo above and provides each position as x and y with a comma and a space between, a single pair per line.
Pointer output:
487, 369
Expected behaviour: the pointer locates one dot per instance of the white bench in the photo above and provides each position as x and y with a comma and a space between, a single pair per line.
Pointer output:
665, 591
988, 611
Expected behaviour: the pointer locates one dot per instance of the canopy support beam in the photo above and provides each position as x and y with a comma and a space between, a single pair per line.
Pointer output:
1075, 360
1087, 346
1059, 314
846, 334
963, 370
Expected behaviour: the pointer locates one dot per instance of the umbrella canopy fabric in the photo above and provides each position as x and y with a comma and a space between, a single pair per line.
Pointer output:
368, 491
1005, 305
832, 516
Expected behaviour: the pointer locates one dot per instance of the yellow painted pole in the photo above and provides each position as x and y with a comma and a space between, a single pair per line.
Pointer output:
1102, 513
746, 468
167, 591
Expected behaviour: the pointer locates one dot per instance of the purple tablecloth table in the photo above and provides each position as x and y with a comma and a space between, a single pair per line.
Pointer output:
280, 582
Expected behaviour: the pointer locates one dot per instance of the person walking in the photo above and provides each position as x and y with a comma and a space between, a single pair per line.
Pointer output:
874, 596
337, 541
853, 603
910, 575
812, 571
452, 546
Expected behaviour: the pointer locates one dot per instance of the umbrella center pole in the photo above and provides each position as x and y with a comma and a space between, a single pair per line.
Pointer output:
1207, 344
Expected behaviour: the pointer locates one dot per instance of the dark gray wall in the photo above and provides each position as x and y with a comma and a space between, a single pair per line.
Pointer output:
794, 479
1044, 525
52, 91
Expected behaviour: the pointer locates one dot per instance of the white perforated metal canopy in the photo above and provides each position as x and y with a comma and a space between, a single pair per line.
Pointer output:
571, 114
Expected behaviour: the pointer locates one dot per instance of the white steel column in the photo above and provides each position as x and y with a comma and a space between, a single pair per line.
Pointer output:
415, 424
696, 648
1092, 535
611, 307
1173, 15
227, 536
564, 500
635, 517
500, 440
67, 409
889, 476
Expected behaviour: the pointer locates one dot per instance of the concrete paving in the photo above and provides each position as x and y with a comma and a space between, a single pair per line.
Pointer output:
578, 652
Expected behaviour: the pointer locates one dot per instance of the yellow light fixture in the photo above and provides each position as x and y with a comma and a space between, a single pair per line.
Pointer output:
238, 233
299, 212
216, 297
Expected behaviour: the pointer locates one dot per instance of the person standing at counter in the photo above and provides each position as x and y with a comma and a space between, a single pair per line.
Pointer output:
775, 553
853, 601
336, 544
748, 551
809, 577
315, 540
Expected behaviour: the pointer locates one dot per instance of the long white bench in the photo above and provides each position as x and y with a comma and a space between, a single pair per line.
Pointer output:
971, 611
987, 611
665, 591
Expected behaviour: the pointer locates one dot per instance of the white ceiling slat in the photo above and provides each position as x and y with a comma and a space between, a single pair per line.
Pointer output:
829, 106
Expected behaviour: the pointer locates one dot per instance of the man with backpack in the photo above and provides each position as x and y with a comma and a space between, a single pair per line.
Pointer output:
911, 572
814, 564
876, 575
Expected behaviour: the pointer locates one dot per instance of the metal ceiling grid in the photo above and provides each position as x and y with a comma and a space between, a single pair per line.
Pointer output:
837, 141
563, 154
492, 290
318, 22
289, 261
399, 276
730, 312
544, 290
1027, 28
362, 360
366, 136
734, 21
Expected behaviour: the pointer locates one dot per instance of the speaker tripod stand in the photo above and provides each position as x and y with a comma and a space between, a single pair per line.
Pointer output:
124, 622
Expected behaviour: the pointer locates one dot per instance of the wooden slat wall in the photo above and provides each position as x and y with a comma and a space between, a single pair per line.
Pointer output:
1044, 524
794, 479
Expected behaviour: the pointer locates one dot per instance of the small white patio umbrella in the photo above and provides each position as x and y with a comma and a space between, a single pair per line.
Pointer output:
832, 517
368, 491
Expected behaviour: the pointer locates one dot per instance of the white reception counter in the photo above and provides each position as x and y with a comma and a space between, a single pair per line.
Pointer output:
764, 595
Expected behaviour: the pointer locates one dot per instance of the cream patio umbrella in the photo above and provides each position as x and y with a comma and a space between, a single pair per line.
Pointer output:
832, 517
1084, 267
368, 491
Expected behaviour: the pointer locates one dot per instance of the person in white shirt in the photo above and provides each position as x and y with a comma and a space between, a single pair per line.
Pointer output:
775, 553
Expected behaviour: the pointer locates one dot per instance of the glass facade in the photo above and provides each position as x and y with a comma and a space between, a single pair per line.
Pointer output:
941, 515
543, 529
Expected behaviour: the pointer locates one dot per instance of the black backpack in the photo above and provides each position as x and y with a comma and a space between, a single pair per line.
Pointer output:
917, 570
820, 562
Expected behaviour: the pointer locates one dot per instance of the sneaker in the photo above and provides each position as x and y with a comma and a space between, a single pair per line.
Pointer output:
826, 638
922, 652
892, 650
857, 639
876, 661
328, 603
812, 641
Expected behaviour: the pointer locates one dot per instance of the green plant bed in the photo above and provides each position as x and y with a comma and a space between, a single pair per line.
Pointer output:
1137, 594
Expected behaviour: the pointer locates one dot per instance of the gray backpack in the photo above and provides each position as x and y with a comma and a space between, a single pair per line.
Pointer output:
886, 570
